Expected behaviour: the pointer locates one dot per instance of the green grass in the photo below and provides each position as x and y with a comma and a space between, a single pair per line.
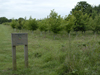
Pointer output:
51, 57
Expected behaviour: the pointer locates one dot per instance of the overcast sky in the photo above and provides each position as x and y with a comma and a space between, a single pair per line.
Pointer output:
38, 9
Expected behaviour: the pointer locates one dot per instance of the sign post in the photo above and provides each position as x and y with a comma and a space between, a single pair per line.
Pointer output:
19, 39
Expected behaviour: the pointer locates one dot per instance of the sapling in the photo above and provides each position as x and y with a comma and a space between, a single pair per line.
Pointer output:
13, 24
69, 25
43, 26
55, 22
32, 24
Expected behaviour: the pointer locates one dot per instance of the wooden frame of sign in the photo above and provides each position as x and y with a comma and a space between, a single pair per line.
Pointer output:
19, 39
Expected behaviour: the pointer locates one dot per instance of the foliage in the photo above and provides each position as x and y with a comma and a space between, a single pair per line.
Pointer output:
32, 24
84, 20
97, 9
95, 24
78, 22
84, 7
13, 23
6, 23
44, 25
3, 19
24, 22
81, 21
55, 22
20, 23
70, 21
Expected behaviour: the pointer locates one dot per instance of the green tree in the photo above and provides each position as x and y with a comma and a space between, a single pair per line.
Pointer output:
84, 22
95, 24
97, 9
94, 13
55, 22
81, 22
43, 25
84, 7
20, 24
70, 21
78, 15
24, 22
3, 19
13, 24
32, 24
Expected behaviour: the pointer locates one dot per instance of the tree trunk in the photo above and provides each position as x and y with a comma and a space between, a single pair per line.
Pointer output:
32, 32
54, 36
14, 29
69, 41
49, 31
45, 34
83, 32
76, 33
41, 33
97, 32
93, 32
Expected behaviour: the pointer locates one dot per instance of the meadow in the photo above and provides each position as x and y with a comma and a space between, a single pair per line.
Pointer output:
79, 55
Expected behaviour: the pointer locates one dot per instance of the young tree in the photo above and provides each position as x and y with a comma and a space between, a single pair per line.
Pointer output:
13, 24
84, 22
20, 24
55, 22
43, 25
24, 23
81, 22
78, 23
95, 24
70, 21
32, 24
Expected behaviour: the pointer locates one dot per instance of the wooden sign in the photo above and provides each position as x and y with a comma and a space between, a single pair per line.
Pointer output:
19, 39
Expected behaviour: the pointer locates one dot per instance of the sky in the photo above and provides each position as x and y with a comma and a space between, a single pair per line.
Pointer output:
38, 9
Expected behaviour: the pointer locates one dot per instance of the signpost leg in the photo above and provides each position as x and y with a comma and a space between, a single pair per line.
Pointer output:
26, 55
14, 57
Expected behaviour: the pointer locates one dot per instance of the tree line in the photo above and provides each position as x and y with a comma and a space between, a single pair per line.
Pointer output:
4, 19
83, 17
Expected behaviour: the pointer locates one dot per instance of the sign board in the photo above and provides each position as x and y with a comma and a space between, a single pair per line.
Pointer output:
19, 39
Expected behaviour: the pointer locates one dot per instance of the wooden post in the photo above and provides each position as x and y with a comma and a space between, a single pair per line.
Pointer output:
14, 57
19, 39
26, 55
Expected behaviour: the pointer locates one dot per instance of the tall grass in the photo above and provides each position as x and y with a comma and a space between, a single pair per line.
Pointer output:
51, 57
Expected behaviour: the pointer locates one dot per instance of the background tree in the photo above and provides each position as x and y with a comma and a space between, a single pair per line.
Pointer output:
97, 9
13, 24
81, 21
32, 24
70, 21
78, 23
43, 25
24, 23
95, 24
55, 22
84, 7
84, 22
94, 13
3, 19
20, 24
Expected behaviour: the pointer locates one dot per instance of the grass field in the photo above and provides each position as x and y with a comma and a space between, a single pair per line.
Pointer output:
80, 56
